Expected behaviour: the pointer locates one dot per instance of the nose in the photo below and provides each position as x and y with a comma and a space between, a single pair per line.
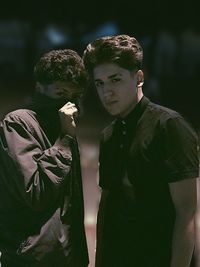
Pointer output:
108, 91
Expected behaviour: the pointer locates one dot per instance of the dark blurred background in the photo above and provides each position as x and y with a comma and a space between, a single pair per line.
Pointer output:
168, 31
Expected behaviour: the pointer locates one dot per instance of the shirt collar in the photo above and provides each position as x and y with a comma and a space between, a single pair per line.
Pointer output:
132, 118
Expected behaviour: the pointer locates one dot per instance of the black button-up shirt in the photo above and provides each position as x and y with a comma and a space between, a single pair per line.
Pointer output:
152, 147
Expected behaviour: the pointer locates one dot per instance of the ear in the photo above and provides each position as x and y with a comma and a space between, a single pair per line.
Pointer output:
39, 87
140, 78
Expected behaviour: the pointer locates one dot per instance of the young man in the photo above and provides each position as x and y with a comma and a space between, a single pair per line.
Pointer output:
41, 198
148, 166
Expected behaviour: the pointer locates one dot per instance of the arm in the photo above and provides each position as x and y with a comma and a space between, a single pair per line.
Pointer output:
34, 173
37, 173
197, 227
181, 162
184, 196
100, 226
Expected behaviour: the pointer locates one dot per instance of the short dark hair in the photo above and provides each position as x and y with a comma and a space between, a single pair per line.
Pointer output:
119, 49
61, 65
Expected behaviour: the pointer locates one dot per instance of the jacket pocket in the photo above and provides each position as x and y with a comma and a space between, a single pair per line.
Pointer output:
52, 237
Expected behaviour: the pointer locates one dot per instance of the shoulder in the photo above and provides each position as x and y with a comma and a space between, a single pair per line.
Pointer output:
166, 120
24, 117
175, 124
167, 116
162, 112
155, 117
17, 114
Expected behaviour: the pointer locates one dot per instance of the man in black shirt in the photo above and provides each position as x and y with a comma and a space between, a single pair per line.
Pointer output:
148, 166
41, 198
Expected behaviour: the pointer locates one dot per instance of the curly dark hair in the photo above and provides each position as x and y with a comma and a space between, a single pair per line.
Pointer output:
122, 50
61, 65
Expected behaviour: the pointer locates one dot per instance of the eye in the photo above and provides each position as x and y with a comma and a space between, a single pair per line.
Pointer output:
98, 84
66, 91
115, 80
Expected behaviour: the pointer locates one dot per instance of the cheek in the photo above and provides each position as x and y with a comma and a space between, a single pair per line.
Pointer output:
100, 94
128, 94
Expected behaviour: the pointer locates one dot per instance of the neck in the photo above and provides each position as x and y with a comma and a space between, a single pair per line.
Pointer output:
139, 96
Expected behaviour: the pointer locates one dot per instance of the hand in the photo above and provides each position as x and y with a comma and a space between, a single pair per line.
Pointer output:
67, 115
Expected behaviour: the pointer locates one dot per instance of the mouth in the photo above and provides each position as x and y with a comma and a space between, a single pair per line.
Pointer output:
110, 103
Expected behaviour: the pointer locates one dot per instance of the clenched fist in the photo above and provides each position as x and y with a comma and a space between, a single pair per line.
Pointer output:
67, 115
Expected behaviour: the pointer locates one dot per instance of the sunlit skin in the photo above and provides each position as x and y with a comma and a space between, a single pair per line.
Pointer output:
119, 89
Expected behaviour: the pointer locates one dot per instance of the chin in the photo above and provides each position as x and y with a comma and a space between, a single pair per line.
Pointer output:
112, 113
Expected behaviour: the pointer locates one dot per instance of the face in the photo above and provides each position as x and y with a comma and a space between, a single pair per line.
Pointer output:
117, 88
63, 90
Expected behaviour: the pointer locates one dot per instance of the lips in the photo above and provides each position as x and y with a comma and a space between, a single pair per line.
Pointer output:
110, 103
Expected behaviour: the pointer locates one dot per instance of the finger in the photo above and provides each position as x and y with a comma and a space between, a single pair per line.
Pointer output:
75, 112
68, 106
69, 110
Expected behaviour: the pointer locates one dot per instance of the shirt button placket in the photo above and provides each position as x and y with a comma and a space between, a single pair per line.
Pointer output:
123, 133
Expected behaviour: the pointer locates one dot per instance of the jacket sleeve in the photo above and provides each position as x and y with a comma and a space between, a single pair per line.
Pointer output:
35, 175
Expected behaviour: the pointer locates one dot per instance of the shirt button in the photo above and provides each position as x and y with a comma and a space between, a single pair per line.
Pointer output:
121, 146
124, 132
123, 122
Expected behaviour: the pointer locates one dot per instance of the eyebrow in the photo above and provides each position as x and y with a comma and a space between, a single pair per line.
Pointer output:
111, 76
114, 75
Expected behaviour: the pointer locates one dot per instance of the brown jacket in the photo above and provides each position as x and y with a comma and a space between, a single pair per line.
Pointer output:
41, 198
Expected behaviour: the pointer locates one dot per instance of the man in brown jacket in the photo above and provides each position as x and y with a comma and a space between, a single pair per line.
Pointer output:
41, 198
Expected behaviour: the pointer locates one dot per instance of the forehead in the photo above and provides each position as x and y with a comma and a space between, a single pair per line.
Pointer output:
107, 70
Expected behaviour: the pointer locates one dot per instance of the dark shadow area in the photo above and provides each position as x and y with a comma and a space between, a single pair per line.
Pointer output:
171, 41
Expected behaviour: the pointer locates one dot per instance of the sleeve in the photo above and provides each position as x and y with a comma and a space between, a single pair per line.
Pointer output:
180, 150
34, 174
